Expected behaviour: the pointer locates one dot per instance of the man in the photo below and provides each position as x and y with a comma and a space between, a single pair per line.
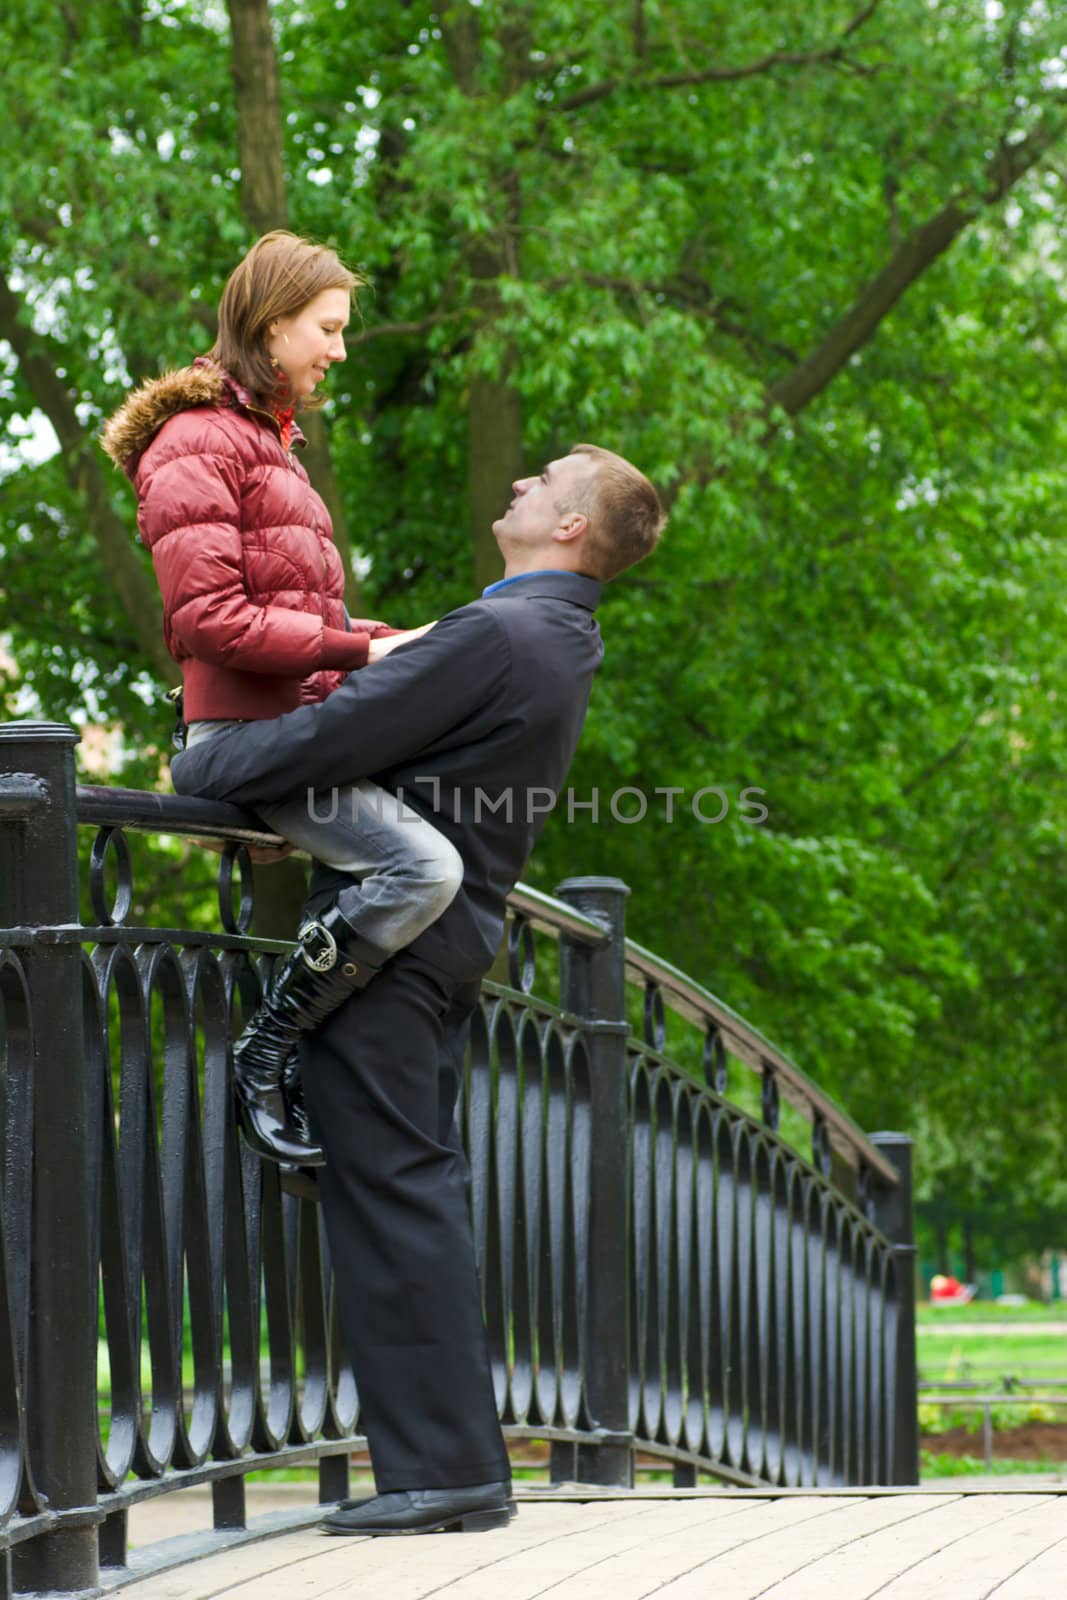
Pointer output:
475, 722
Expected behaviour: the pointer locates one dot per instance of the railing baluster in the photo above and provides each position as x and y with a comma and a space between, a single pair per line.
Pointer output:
661, 1270
39, 888
593, 987
892, 1209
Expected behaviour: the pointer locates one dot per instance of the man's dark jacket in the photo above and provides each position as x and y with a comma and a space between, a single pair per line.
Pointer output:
490, 704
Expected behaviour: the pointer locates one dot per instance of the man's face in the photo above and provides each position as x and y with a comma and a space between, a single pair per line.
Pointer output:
534, 514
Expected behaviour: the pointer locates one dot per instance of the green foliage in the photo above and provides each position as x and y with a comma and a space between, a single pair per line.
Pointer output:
942, 1419
856, 609
941, 1464
979, 1311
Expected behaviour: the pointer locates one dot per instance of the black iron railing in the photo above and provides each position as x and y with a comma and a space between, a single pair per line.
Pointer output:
662, 1272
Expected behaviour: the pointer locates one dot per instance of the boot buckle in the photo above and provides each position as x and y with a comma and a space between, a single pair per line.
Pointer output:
318, 947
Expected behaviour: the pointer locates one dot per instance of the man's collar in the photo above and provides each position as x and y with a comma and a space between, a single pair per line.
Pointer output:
553, 583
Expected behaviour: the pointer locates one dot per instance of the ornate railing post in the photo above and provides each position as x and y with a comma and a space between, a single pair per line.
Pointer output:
39, 891
893, 1214
593, 987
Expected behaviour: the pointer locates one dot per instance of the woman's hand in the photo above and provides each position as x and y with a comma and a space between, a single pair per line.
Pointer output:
381, 647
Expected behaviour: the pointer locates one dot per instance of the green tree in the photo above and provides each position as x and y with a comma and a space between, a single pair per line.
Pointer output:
803, 264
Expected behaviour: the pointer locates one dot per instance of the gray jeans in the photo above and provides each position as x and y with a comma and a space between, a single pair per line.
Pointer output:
405, 872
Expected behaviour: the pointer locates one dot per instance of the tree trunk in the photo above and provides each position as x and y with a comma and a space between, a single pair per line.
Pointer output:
968, 1251
494, 461
941, 1248
494, 436
261, 150
280, 891
494, 412
87, 474
318, 460
259, 116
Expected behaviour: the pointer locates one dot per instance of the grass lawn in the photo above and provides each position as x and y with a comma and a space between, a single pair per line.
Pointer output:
939, 1464
963, 1349
966, 1350
988, 1311
974, 1357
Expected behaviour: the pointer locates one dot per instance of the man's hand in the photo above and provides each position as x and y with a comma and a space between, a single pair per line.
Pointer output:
261, 855
381, 647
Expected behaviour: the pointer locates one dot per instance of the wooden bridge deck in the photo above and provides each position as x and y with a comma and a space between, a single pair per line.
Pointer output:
1010, 1544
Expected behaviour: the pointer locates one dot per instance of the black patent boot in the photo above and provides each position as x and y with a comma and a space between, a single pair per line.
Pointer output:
301, 1181
295, 1103
318, 977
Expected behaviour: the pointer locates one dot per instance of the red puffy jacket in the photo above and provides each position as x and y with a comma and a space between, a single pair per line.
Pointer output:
242, 546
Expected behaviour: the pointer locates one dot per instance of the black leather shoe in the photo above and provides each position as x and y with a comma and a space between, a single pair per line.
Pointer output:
365, 1499
319, 976
473, 1509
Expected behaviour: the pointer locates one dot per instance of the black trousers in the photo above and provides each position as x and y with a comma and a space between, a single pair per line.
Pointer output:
382, 1077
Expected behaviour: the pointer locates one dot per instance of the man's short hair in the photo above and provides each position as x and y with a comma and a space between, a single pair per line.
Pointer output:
624, 511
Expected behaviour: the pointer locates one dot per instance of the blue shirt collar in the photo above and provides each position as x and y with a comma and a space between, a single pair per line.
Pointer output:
502, 583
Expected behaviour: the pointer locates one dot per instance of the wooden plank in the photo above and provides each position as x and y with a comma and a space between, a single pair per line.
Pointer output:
754, 1567
961, 1488
214, 1574
280, 1561
968, 1569
864, 1566
1043, 1578
634, 1562
730, 1547
168, 1516
539, 1550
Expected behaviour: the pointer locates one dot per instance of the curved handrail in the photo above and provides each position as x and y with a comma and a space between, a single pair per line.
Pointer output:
554, 916
183, 815
148, 812
697, 1004
606, 1175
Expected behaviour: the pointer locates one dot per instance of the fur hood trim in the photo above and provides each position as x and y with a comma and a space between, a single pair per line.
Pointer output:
127, 434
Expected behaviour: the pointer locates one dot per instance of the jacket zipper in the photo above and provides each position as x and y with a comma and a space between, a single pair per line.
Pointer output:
243, 405
271, 418
276, 425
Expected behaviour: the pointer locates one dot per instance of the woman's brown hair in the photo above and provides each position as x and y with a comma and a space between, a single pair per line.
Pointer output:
277, 278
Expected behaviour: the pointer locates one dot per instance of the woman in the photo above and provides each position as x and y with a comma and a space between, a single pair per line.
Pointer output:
252, 599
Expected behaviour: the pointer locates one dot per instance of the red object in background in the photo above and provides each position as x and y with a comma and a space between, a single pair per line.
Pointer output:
948, 1291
